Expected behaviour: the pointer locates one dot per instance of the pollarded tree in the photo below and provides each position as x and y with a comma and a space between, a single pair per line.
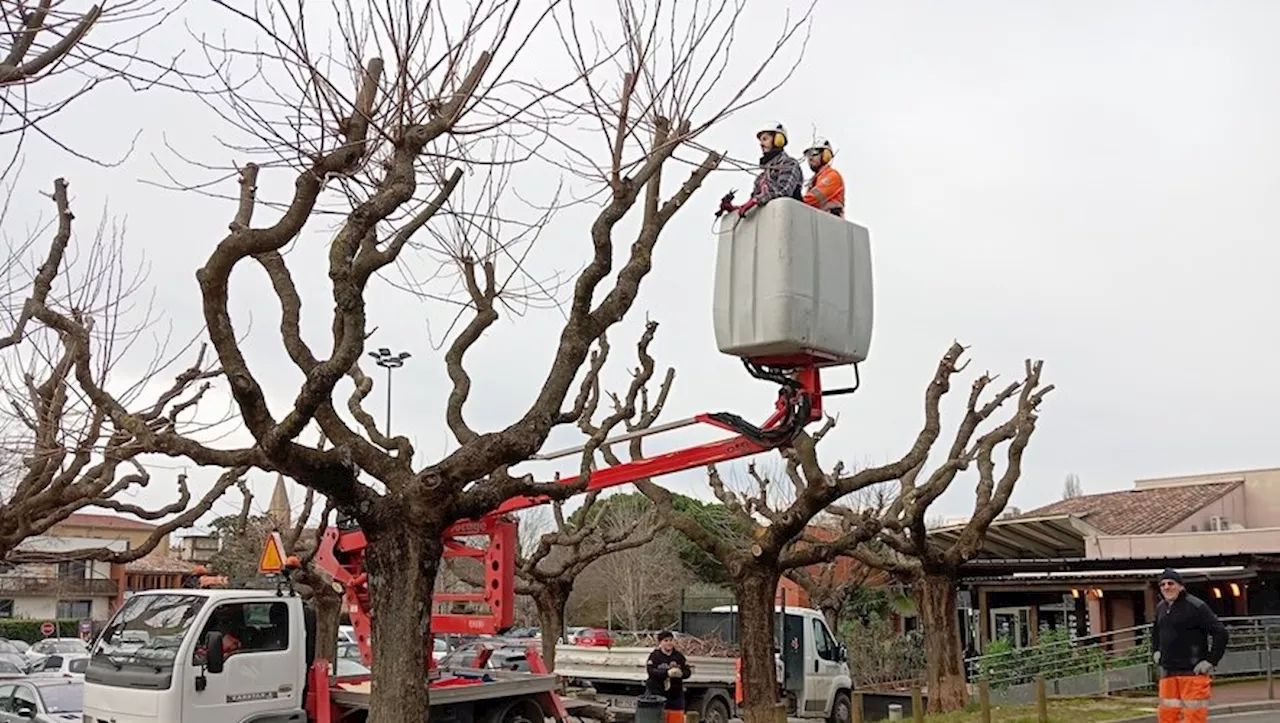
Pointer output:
547, 570
73, 437
378, 132
777, 541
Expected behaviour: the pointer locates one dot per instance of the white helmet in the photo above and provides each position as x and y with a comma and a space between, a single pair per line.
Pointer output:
821, 147
779, 132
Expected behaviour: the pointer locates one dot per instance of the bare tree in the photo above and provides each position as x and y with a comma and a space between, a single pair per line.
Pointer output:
1071, 486
68, 444
778, 539
599, 532
639, 585
55, 52
378, 134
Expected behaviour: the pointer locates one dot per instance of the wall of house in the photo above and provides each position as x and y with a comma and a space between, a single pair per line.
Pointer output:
1231, 506
1261, 497
1172, 545
135, 538
46, 608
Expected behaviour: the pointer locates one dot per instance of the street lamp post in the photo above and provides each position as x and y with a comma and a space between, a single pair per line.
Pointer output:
389, 361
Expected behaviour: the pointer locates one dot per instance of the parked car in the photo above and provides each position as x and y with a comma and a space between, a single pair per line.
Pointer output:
10, 653
502, 656
43, 699
9, 670
49, 646
71, 665
593, 637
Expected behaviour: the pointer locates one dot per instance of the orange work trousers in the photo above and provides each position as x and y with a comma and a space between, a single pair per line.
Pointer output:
1184, 695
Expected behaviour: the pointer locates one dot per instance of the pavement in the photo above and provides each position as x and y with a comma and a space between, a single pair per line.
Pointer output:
1237, 702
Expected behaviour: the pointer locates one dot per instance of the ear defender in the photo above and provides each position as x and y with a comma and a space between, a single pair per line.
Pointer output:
779, 139
826, 155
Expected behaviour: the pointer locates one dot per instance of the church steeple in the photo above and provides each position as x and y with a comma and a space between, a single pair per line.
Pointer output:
280, 511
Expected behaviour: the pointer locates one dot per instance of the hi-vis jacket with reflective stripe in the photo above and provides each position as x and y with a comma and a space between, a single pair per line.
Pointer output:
825, 191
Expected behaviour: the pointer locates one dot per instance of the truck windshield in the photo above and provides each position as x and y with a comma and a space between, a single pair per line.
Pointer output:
147, 631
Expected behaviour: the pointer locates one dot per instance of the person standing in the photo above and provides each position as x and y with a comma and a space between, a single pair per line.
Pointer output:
1188, 641
667, 669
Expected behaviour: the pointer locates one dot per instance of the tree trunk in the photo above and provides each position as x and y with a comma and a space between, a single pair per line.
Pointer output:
756, 590
552, 599
402, 562
945, 681
327, 606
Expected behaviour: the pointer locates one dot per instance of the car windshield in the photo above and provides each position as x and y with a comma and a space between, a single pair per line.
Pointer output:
64, 646
65, 698
148, 630
8, 647
8, 668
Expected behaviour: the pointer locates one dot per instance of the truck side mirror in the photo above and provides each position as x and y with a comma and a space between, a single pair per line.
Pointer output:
843, 653
213, 658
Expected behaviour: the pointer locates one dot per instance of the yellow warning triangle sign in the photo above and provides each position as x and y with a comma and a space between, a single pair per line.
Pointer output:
272, 560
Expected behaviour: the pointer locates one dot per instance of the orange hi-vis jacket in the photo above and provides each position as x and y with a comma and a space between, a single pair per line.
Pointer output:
825, 191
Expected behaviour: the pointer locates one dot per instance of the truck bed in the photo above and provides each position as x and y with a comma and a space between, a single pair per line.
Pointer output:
628, 664
355, 696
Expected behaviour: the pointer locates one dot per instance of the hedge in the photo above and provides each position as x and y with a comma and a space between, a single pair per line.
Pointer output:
29, 630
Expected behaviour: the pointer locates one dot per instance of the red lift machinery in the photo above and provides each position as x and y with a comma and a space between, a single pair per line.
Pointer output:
799, 402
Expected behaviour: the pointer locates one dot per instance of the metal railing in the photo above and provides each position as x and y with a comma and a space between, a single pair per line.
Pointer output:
1114, 661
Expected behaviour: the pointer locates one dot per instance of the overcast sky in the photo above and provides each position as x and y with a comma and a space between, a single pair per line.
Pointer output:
1093, 184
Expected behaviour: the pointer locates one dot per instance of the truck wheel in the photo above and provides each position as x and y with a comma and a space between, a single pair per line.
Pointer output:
716, 711
841, 709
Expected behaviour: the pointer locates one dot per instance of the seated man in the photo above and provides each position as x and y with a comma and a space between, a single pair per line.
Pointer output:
825, 191
780, 174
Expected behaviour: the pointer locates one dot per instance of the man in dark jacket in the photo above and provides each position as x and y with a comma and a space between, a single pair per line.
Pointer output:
1188, 640
667, 670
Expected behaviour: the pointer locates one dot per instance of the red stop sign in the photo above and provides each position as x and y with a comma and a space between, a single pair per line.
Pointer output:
47, 629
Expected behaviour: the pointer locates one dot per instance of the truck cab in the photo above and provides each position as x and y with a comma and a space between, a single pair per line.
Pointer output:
169, 676
813, 667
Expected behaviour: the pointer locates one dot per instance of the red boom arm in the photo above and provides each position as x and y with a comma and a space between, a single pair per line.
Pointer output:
341, 552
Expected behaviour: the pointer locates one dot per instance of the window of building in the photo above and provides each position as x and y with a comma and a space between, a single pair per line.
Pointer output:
74, 570
6, 608
75, 609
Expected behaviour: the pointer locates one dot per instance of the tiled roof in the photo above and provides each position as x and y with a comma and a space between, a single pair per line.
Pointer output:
1138, 512
114, 522
159, 564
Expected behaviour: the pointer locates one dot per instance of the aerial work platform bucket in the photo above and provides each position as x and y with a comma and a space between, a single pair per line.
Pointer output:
793, 287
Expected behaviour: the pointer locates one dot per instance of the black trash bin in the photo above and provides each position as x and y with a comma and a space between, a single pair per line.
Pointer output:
650, 708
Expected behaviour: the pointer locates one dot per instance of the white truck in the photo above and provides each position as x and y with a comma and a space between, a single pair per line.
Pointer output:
813, 671
266, 680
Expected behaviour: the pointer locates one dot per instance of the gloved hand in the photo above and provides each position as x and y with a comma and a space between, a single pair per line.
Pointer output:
1155, 657
744, 208
726, 204
1204, 667
674, 672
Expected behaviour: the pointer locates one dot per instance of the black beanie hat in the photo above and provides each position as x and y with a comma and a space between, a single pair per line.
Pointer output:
1171, 574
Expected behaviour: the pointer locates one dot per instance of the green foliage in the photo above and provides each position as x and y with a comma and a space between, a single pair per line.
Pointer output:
1056, 656
877, 654
241, 547
29, 630
711, 516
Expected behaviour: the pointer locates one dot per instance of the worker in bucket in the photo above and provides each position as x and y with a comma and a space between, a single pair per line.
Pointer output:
825, 190
1188, 640
667, 669
780, 174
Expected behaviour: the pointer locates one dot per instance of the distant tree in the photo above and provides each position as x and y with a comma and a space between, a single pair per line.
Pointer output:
1071, 487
